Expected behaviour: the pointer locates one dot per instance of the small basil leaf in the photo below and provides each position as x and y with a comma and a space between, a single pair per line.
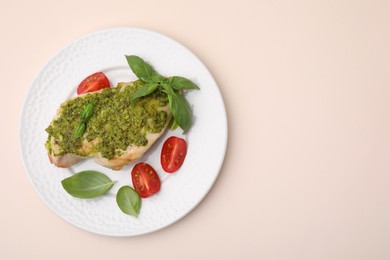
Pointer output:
79, 130
181, 111
145, 90
157, 78
128, 200
182, 83
172, 124
82, 114
168, 89
142, 70
87, 184
88, 112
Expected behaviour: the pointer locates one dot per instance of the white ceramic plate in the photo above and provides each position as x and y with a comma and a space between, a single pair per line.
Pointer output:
180, 192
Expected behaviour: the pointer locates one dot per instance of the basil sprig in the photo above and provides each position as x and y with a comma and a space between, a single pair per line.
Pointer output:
172, 86
86, 114
87, 184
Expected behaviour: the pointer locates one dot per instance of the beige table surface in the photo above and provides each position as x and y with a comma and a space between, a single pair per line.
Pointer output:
307, 90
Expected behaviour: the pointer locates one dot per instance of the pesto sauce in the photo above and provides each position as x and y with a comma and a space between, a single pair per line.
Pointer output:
114, 125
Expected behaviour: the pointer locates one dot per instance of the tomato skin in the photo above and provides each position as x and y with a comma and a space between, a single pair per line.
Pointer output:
92, 83
173, 153
145, 180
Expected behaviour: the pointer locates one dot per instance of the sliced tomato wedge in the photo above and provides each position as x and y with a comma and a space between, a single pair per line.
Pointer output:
173, 153
93, 82
145, 180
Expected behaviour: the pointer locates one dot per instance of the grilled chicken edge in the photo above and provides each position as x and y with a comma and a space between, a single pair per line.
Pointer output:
131, 154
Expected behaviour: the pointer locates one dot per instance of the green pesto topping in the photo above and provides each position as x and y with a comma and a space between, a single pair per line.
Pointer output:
115, 124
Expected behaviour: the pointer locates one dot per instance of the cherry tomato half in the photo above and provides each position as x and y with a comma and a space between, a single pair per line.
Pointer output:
93, 82
145, 180
173, 153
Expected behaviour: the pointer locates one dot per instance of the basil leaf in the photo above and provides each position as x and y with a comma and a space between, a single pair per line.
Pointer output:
145, 90
168, 89
128, 200
181, 111
88, 112
172, 124
143, 70
79, 130
182, 83
82, 114
87, 184
158, 78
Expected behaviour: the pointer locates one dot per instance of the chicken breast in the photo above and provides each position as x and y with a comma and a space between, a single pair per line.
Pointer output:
117, 132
